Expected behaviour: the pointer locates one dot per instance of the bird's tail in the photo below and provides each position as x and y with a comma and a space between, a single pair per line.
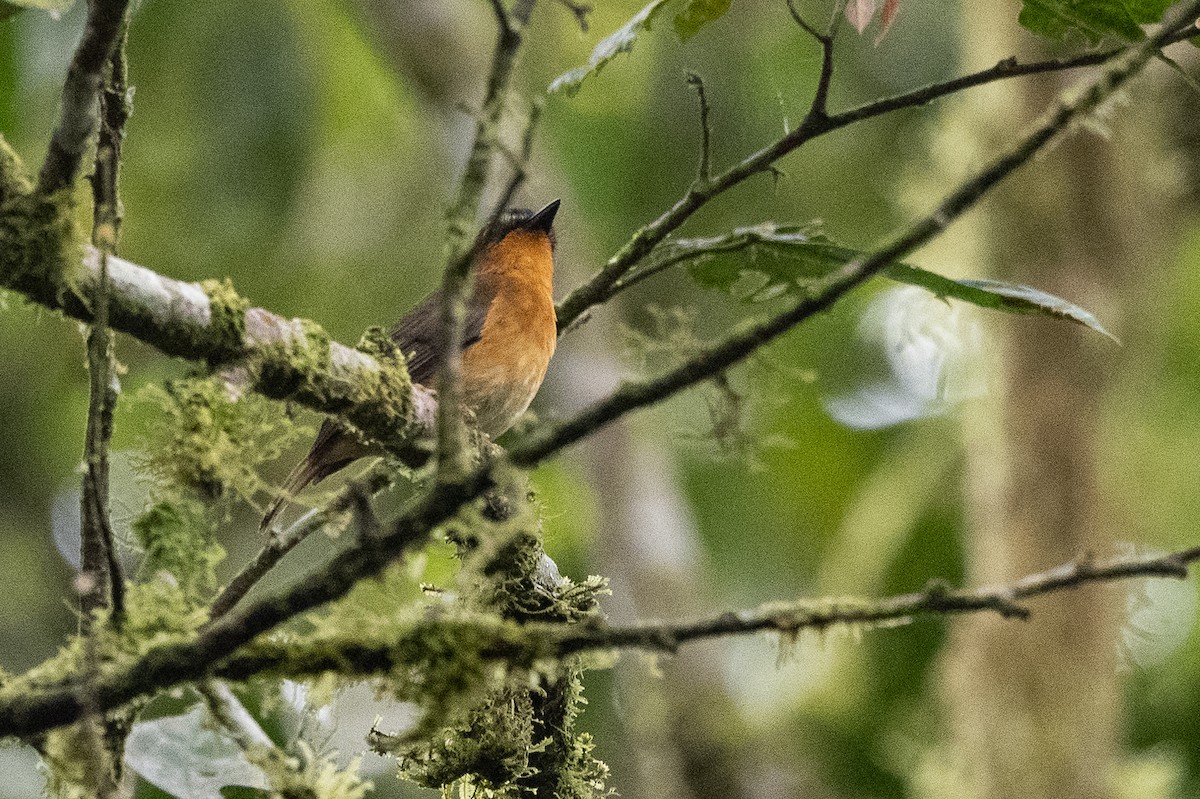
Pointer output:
333, 450
306, 472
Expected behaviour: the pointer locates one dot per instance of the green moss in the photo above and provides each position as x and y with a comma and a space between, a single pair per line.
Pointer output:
41, 249
228, 314
204, 445
299, 367
177, 538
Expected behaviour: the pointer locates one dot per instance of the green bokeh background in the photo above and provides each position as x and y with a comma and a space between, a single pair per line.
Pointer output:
307, 150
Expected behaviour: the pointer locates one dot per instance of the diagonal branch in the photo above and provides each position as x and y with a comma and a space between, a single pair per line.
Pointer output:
80, 115
601, 286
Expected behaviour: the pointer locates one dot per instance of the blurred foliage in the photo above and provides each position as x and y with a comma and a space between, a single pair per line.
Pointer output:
287, 145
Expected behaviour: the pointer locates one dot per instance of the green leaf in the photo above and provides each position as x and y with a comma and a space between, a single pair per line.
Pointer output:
1096, 20
617, 42
698, 13
55, 8
766, 261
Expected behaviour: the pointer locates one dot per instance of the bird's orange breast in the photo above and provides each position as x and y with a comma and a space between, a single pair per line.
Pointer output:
503, 371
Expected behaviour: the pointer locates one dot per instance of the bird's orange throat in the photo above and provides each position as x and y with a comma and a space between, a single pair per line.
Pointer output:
523, 255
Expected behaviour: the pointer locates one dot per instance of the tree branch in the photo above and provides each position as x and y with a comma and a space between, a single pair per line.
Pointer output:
600, 287
80, 114
280, 544
104, 585
550, 439
704, 176
456, 281
788, 618
258, 350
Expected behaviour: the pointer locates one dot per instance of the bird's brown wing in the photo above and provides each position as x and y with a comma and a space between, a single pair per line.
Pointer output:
416, 335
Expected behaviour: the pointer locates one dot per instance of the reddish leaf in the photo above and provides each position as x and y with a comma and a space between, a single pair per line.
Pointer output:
859, 13
890, 8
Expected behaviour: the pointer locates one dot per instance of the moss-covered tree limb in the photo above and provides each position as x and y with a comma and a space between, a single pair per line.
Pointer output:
523, 645
456, 280
291, 359
607, 282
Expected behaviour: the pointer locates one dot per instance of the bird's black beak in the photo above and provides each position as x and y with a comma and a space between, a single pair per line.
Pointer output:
543, 220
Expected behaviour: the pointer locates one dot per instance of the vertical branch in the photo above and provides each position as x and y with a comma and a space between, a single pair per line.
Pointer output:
452, 433
103, 585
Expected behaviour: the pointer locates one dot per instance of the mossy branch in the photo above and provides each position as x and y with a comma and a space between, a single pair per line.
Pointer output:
522, 645
254, 348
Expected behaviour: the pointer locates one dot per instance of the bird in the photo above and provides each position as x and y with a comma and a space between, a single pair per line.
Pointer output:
509, 336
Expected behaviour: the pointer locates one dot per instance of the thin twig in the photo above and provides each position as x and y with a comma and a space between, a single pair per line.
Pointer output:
705, 172
803, 23
519, 160
580, 10
820, 101
80, 116
598, 288
280, 544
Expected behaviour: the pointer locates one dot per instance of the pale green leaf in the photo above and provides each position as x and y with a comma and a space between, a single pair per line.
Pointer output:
767, 261
187, 756
698, 13
617, 42
1096, 20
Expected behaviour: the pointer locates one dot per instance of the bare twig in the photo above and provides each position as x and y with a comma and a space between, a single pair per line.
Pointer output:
519, 160
820, 101
803, 23
705, 174
80, 116
580, 10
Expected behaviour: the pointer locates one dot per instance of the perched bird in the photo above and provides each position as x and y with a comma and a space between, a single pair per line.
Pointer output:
508, 338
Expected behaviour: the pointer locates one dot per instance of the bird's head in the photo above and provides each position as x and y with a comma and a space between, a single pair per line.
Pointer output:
519, 242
